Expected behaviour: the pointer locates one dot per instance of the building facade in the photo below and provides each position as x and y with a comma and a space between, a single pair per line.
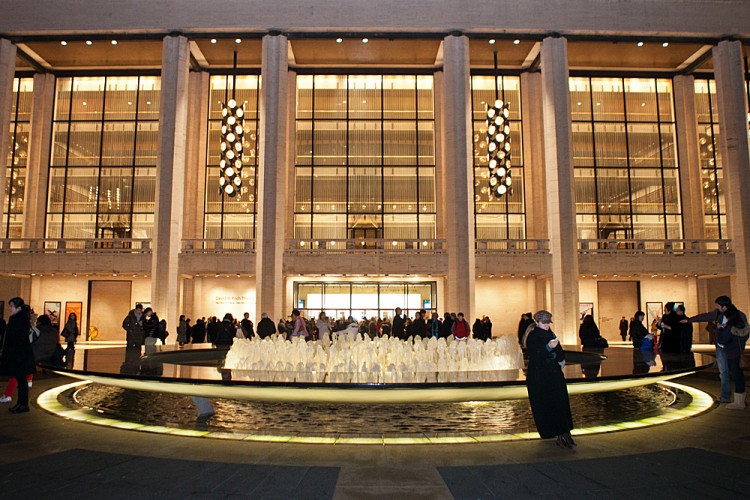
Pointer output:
364, 181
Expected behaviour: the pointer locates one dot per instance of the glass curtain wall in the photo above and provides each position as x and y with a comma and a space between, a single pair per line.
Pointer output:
624, 153
102, 175
18, 149
365, 160
505, 217
364, 300
712, 174
225, 217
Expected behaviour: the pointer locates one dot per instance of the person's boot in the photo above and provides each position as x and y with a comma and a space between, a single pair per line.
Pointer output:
739, 402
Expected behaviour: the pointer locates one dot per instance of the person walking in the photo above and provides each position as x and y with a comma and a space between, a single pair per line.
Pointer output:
398, 327
182, 331
70, 332
17, 358
523, 325
133, 326
150, 327
545, 382
300, 327
623, 328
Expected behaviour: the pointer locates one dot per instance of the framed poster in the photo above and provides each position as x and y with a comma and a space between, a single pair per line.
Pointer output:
654, 310
584, 309
73, 307
52, 310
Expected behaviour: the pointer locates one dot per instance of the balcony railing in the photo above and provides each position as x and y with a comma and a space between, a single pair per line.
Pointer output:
359, 246
75, 246
203, 246
660, 247
512, 246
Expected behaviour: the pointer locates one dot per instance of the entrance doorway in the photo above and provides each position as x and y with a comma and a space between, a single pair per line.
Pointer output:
109, 303
616, 299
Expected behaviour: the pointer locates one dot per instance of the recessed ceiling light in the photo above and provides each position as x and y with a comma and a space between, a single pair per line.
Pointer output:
89, 42
213, 40
665, 44
237, 40
114, 42
640, 44
492, 41
63, 43
365, 40
339, 40
516, 41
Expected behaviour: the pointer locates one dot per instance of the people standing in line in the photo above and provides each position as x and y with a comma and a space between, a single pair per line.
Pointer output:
299, 328
686, 331
161, 331
247, 326
418, 326
133, 326
17, 358
266, 326
729, 348
623, 328
545, 382
524, 324
70, 331
198, 334
385, 328
212, 329
460, 329
399, 325
282, 328
182, 329
637, 330
324, 327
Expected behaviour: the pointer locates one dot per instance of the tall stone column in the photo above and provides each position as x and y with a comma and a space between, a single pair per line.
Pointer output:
170, 179
561, 214
689, 156
735, 159
272, 178
37, 169
459, 175
533, 155
7, 72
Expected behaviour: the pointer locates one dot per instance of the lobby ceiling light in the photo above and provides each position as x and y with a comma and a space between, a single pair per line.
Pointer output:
89, 42
63, 43
665, 44
339, 40
114, 42
492, 41
516, 41
365, 40
238, 40
232, 134
213, 40
498, 145
640, 44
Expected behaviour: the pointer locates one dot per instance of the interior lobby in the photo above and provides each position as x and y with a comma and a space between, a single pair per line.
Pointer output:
359, 182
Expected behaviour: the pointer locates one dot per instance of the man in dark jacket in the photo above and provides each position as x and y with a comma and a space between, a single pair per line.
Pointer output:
247, 326
266, 326
446, 326
212, 329
398, 328
133, 326
225, 332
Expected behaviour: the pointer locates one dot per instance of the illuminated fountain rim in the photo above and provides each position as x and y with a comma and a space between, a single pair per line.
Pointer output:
701, 402
376, 393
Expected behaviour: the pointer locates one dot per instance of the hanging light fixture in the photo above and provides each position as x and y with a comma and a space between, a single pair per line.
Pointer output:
232, 134
498, 145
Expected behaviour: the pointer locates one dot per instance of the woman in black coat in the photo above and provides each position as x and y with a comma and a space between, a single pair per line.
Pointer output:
589, 332
545, 382
418, 326
17, 359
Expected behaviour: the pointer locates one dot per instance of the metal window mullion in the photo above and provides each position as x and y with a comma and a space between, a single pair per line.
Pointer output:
416, 154
661, 162
473, 157
312, 158
135, 155
256, 161
593, 152
101, 150
67, 159
627, 157
714, 154
347, 173
382, 164
14, 137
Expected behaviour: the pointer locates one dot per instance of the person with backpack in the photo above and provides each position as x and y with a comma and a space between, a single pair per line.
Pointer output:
732, 331
638, 332
460, 328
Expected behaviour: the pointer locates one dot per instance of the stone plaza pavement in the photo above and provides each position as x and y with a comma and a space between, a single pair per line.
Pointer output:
45, 456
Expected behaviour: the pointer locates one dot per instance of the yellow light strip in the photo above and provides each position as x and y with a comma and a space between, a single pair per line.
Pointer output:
48, 401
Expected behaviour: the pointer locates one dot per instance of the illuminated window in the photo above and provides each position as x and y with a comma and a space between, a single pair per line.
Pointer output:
225, 217
624, 153
365, 159
364, 300
712, 174
102, 173
18, 149
505, 217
